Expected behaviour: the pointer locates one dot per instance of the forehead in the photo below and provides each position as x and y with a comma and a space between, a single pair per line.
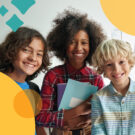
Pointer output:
117, 59
81, 33
36, 44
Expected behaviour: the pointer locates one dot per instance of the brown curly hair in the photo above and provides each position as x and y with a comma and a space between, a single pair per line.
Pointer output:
66, 25
12, 45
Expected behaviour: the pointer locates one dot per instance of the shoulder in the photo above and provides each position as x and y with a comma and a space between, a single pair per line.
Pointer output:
54, 73
105, 91
56, 70
131, 86
34, 86
92, 72
94, 77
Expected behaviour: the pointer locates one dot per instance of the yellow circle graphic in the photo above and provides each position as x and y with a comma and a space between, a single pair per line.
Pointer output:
27, 103
11, 122
121, 13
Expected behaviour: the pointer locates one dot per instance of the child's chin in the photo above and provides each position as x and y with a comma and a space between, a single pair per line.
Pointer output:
30, 73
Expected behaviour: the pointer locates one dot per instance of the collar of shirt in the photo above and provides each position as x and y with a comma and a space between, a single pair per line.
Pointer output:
131, 88
23, 85
72, 70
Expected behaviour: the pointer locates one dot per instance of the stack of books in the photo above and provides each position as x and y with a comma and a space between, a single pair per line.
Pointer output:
72, 93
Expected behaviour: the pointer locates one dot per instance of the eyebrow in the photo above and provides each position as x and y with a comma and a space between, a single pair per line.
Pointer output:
81, 40
85, 39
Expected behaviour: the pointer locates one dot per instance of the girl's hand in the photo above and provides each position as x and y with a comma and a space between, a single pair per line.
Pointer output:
78, 122
83, 109
78, 117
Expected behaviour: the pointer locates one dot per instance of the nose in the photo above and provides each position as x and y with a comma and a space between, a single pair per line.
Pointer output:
78, 46
33, 56
116, 68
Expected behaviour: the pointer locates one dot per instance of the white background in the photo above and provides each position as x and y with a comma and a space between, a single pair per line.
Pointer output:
41, 14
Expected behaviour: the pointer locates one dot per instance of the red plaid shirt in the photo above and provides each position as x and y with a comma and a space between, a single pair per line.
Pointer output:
49, 116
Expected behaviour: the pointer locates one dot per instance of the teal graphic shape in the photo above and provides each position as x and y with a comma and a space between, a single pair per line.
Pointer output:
14, 23
3, 10
23, 5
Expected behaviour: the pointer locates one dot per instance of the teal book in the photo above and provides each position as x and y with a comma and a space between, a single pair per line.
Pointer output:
75, 93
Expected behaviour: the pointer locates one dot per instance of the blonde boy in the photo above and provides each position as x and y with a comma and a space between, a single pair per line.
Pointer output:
113, 108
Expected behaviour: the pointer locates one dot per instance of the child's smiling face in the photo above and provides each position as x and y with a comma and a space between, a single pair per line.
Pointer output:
29, 59
78, 49
117, 70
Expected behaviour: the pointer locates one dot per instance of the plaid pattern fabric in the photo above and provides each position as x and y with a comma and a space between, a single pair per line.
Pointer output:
49, 116
112, 113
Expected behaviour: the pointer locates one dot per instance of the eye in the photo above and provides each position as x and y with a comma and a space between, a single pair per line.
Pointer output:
109, 65
72, 42
122, 62
84, 43
26, 50
40, 54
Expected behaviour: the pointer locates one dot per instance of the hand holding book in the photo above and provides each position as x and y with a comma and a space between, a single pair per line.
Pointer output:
78, 117
76, 103
75, 93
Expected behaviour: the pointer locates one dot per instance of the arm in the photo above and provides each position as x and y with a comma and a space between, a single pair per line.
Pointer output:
78, 117
98, 127
40, 131
49, 116
34, 87
82, 120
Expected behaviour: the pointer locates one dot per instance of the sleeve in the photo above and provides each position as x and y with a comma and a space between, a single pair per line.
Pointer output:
49, 116
98, 127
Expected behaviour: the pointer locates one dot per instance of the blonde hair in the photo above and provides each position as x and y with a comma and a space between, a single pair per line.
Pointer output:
110, 49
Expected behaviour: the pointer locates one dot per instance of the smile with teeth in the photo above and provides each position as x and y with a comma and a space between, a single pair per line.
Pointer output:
29, 65
117, 76
78, 54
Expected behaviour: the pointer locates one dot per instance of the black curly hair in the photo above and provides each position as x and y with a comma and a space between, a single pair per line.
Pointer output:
16, 41
66, 25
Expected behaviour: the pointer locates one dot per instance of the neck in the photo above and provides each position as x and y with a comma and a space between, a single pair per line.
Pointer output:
76, 65
17, 77
123, 88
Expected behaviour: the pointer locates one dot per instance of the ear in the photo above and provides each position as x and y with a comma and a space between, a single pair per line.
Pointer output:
131, 65
104, 74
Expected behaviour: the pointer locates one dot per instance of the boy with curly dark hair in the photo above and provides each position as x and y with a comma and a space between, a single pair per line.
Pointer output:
73, 40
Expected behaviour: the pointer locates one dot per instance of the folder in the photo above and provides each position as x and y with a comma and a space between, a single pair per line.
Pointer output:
60, 91
75, 92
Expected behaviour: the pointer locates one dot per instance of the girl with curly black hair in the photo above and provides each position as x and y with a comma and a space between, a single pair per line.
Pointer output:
23, 55
73, 39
